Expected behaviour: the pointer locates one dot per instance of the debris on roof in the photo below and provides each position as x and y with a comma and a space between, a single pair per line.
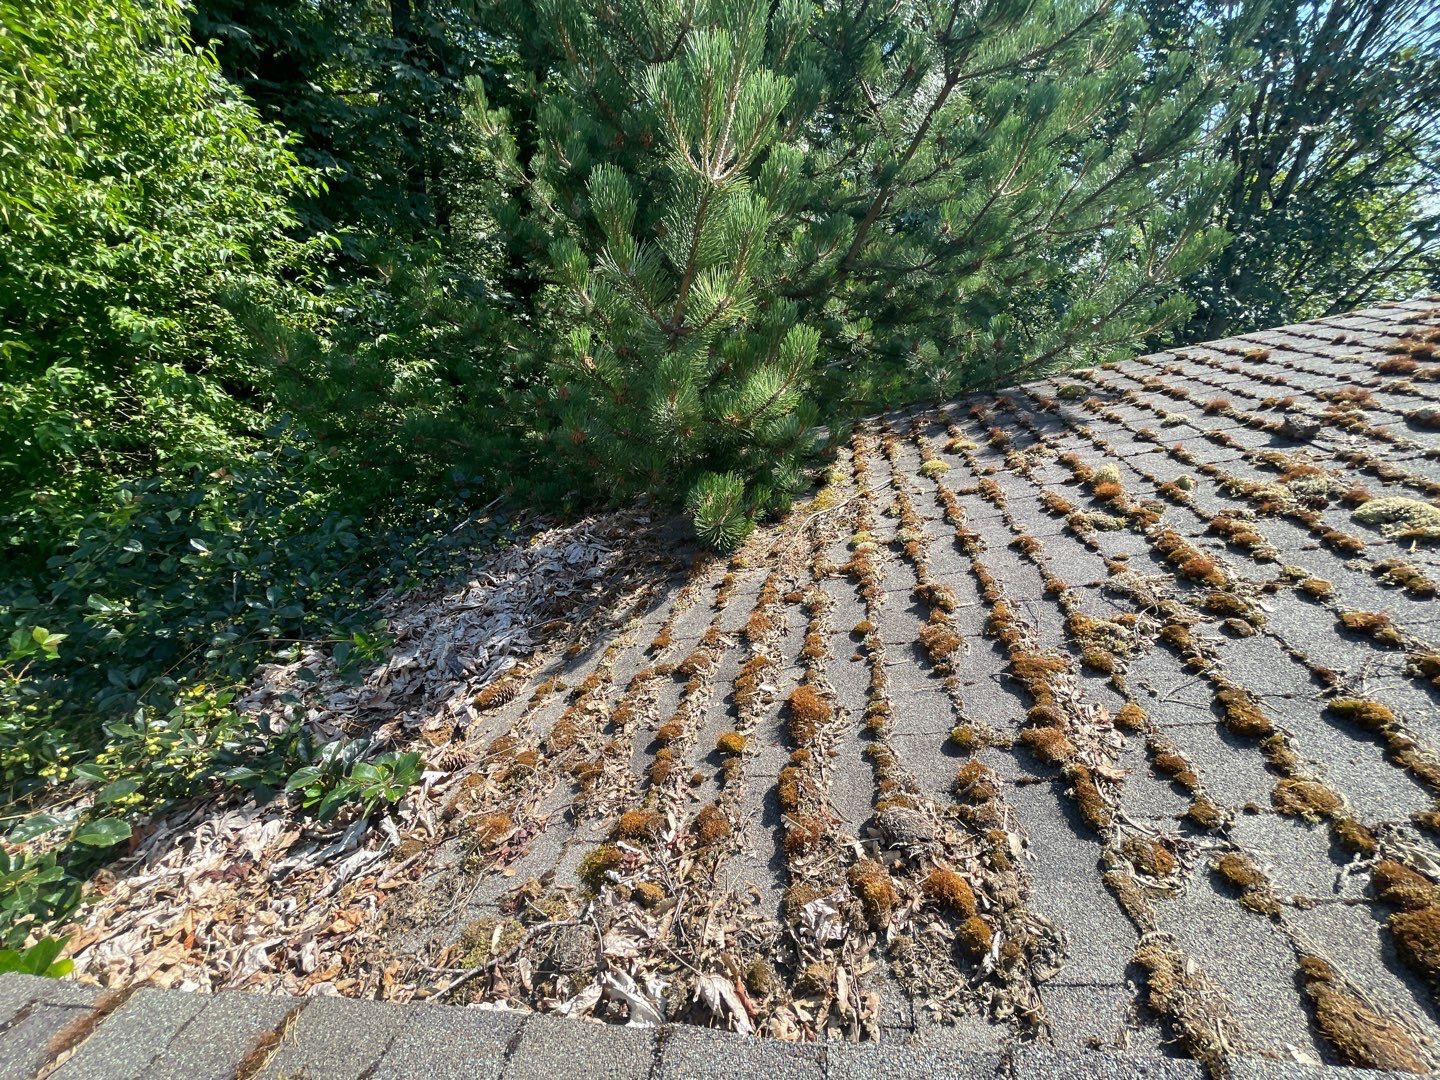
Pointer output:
1101, 709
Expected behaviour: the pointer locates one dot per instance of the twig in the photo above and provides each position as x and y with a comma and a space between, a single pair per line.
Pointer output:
505, 957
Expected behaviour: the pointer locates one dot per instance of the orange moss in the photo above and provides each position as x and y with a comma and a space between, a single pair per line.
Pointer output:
1308, 799
974, 937
871, 884
1150, 856
669, 732
731, 742
639, 826
757, 626
939, 640
710, 826
948, 890
1131, 717
808, 711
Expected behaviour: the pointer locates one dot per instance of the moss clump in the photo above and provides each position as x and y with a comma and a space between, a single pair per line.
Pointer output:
808, 711
949, 891
974, 783
483, 940
974, 937
1217, 602
1417, 940
933, 468
1359, 1036
871, 884
1204, 813
1396, 884
647, 894
1244, 876
1242, 716
1131, 717
1149, 856
639, 826
1239, 872
1373, 624
731, 742
1168, 761
594, 867
814, 979
1370, 715
1095, 811
940, 640
710, 826
1354, 837
760, 978
669, 732
1049, 744
965, 738
803, 835
663, 767
1316, 588
757, 626
863, 628
1111, 492
1306, 799
491, 829
1401, 518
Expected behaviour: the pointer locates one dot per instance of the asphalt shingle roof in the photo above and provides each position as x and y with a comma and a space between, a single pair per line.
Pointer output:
1075, 717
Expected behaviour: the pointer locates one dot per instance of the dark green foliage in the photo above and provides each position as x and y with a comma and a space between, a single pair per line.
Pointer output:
752, 208
1337, 161
373, 92
412, 389
137, 188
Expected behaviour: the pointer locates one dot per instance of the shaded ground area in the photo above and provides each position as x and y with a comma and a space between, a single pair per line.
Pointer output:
1098, 713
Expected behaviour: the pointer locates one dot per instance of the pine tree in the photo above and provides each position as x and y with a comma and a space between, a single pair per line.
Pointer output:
748, 207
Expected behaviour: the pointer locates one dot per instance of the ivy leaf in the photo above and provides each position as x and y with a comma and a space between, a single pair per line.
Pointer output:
103, 832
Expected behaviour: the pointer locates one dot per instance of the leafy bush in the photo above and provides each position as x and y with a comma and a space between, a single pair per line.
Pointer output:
135, 188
